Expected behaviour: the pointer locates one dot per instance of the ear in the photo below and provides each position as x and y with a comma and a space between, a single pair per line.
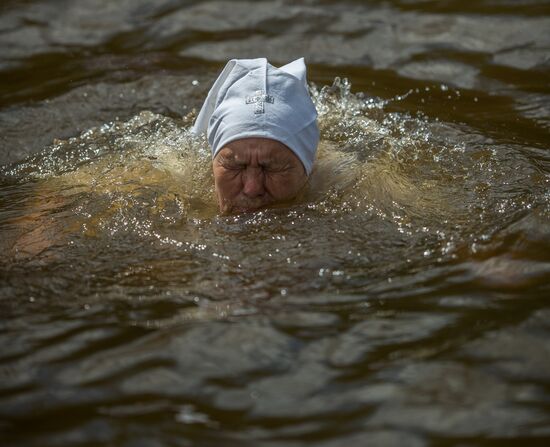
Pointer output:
297, 69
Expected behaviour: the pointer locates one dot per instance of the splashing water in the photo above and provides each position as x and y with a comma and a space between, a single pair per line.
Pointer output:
391, 196
400, 300
117, 231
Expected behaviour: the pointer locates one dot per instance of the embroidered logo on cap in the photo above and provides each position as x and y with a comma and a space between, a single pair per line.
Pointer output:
259, 99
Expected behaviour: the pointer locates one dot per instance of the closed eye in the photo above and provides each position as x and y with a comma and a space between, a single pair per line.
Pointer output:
229, 163
233, 167
275, 169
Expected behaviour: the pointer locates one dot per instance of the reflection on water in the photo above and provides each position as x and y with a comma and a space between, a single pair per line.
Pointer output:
401, 299
382, 180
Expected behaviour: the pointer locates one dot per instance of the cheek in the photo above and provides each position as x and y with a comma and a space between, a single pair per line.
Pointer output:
228, 184
284, 186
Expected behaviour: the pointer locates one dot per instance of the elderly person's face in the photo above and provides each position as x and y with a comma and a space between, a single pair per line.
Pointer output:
253, 173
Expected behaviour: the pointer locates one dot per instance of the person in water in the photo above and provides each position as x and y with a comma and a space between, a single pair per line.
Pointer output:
262, 128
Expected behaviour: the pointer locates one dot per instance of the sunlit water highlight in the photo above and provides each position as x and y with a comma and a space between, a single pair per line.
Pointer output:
401, 299
392, 196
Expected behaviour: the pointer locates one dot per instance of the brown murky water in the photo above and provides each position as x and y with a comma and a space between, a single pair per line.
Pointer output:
402, 300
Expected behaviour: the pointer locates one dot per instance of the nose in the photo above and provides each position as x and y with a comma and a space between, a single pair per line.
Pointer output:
253, 182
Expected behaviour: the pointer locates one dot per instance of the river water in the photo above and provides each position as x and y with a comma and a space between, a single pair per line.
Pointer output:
401, 300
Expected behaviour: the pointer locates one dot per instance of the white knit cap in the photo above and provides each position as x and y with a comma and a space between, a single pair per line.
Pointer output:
252, 98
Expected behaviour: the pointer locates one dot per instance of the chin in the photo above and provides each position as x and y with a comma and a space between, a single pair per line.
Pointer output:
245, 209
234, 209
242, 209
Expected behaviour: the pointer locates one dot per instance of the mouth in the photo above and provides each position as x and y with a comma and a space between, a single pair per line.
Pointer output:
244, 209
247, 207
231, 210
244, 206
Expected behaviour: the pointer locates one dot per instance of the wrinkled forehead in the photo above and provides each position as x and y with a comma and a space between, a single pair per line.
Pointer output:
249, 150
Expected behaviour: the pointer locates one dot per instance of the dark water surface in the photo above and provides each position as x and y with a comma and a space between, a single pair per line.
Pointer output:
402, 300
